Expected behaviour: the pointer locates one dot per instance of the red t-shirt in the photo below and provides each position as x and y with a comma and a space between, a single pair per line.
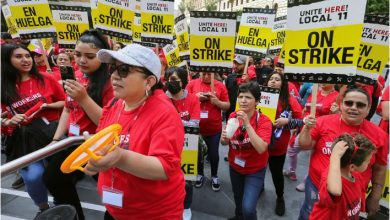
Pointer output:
153, 129
370, 90
329, 127
244, 149
384, 124
213, 124
346, 206
323, 103
32, 91
279, 146
292, 89
55, 71
188, 107
77, 115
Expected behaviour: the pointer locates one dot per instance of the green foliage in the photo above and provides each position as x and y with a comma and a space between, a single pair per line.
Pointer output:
182, 6
211, 5
377, 7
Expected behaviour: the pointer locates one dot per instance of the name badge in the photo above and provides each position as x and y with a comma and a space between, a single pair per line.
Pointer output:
240, 162
112, 197
204, 114
74, 129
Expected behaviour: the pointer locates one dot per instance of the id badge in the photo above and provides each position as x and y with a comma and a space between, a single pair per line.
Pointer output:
204, 114
240, 162
112, 197
74, 129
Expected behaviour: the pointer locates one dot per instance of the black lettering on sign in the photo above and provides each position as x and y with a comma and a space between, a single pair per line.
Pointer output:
188, 168
212, 51
72, 27
33, 22
29, 11
116, 13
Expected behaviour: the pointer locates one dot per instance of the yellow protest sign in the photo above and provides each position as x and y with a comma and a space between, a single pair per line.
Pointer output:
374, 49
137, 26
171, 53
189, 155
157, 21
268, 103
70, 24
212, 41
10, 21
115, 18
255, 30
94, 11
277, 36
322, 40
33, 19
182, 37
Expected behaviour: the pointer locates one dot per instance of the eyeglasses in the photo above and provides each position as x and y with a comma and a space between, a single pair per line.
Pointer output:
359, 105
124, 69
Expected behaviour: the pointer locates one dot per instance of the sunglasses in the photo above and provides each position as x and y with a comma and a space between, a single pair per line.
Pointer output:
359, 105
124, 70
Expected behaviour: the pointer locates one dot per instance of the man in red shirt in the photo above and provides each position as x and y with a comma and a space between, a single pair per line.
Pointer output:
211, 104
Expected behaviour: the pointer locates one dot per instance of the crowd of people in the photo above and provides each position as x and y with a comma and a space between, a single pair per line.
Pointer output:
142, 178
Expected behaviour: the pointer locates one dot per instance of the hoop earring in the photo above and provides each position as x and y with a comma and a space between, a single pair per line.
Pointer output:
146, 92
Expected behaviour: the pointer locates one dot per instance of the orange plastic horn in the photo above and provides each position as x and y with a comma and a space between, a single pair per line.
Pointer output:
79, 157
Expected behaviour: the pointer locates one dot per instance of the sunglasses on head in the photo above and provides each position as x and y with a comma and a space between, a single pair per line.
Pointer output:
349, 103
123, 70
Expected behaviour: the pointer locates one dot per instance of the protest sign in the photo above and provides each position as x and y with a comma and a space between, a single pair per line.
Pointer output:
33, 19
322, 40
137, 26
374, 49
255, 30
189, 155
9, 20
70, 23
278, 35
171, 53
94, 12
115, 18
157, 19
183, 41
212, 41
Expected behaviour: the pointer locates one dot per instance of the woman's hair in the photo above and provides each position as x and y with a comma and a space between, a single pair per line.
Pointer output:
251, 87
284, 95
121, 45
181, 73
66, 54
352, 156
158, 84
99, 78
357, 89
10, 76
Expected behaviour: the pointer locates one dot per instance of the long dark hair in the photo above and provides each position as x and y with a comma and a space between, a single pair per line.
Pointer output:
10, 76
99, 78
284, 95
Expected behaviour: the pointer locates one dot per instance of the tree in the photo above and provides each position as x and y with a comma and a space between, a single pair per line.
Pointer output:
377, 7
182, 6
210, 5
190, 6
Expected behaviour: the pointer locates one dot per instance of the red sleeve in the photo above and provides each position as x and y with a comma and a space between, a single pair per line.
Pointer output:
385, 96
224, 94
264, 129
194, 107
383, 150
296, 108
108, 93
190, 86
325, 198
378, 91
251, 72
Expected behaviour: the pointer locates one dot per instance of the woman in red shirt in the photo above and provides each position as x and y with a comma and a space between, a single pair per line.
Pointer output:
288, 109
248, 154
144, 172
86, 96
23, 88
318, 134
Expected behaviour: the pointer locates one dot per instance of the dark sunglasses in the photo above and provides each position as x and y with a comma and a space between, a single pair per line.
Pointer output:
358, 104
123, 70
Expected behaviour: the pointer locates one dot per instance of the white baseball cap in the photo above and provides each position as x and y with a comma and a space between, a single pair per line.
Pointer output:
135, 55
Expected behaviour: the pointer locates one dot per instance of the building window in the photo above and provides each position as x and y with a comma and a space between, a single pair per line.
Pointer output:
236, 2
267, 7
224, 5
275, 6
242, 2
247, 1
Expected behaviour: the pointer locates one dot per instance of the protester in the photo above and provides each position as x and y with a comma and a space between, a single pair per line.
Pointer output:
384, 111
264, 70
248, 153
319, 134
118, 45
341, 187
86, 95
211, 104
145, 168
288, 109
22, 88
188, 107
